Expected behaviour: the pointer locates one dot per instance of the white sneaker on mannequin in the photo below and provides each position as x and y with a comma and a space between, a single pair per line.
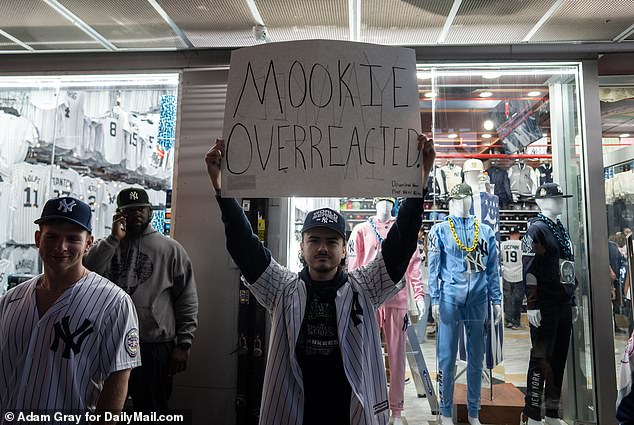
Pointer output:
446, 420
534, 422
474, 421
553, 421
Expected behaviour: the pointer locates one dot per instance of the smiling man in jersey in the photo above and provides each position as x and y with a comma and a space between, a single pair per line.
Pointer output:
325, 363
68, 337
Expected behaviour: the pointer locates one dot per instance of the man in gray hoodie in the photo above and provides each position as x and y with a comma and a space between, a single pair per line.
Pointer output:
157, 274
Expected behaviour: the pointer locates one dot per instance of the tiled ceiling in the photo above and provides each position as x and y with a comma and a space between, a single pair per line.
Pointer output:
68, 25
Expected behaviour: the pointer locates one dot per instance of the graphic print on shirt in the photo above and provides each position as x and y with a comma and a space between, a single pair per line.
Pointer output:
141, 267
475, 258
63, 333
320, 337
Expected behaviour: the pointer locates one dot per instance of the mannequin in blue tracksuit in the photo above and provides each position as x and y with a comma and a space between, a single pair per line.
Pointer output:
462, 282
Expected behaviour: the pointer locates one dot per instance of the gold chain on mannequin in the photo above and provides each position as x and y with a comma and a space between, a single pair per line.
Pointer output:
457, 239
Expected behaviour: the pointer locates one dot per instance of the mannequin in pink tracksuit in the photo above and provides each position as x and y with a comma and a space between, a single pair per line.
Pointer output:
363, 245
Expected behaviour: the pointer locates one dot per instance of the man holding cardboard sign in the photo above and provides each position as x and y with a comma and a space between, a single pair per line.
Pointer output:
325, 364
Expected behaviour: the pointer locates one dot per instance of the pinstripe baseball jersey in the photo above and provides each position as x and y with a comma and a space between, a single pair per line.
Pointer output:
60, 360
43, 109
29, 184
72, 112
7, 213
283, 293
6, 268
65, 182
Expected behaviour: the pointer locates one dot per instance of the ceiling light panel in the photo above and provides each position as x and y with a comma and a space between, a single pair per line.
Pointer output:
130, 24
587, 21
209, 23
302, 20
41, 27
403, 22
495, 21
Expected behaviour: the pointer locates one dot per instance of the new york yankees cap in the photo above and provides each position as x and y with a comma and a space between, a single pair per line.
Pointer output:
550, 190
460, 191
325, 217
133, 197
67, 208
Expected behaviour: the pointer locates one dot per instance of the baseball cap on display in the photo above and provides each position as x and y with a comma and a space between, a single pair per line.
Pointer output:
67, 208
550, 190
133, 197
472, 164
376, 200
460, 191
325, 217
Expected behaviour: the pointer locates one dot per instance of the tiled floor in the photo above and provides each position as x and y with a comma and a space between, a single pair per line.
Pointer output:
512, 369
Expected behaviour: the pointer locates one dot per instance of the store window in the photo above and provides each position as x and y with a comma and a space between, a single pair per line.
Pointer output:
87, 136
617, 123
504, 130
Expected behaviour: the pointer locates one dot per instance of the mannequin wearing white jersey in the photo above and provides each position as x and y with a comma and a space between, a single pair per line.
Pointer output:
449, 273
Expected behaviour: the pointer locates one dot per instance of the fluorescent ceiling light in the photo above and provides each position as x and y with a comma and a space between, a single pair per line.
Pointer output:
486, 136
452, 135
488, 125
430, 94
486, 94
96, 80
534, 93
491, 75
624, 135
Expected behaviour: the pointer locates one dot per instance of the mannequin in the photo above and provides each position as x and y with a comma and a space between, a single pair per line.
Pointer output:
463, 279
363, 246
472, 169
549, 277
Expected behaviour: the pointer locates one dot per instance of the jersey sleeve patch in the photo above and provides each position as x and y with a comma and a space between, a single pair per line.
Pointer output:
132, 342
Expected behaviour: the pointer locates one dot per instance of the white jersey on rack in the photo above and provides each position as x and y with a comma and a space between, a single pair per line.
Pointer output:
44, 110
109, 206
7, 212
72, 122
65, 182
94, 189
6, 268
16, 135
511, 254
113, 128
133, 144
58, 362
29, 184
25, 259
148, 130
451, 175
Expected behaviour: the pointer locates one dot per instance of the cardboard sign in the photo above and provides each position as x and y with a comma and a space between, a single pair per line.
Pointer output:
322, 118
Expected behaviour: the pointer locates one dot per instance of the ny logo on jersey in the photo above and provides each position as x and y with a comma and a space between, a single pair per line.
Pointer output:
474, 262
66, 206
134, 196
63, 332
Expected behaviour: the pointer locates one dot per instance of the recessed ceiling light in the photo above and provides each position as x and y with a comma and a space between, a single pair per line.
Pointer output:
452, 135
486, 136
534, 93
430, 94
488, 125
486, 94
491, 75
624, 135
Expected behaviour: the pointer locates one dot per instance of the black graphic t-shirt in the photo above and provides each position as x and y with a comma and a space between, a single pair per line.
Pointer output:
327, 391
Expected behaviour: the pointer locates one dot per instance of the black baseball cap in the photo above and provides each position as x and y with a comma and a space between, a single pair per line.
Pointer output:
325, 217
550, 190
67, 208
133, 197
